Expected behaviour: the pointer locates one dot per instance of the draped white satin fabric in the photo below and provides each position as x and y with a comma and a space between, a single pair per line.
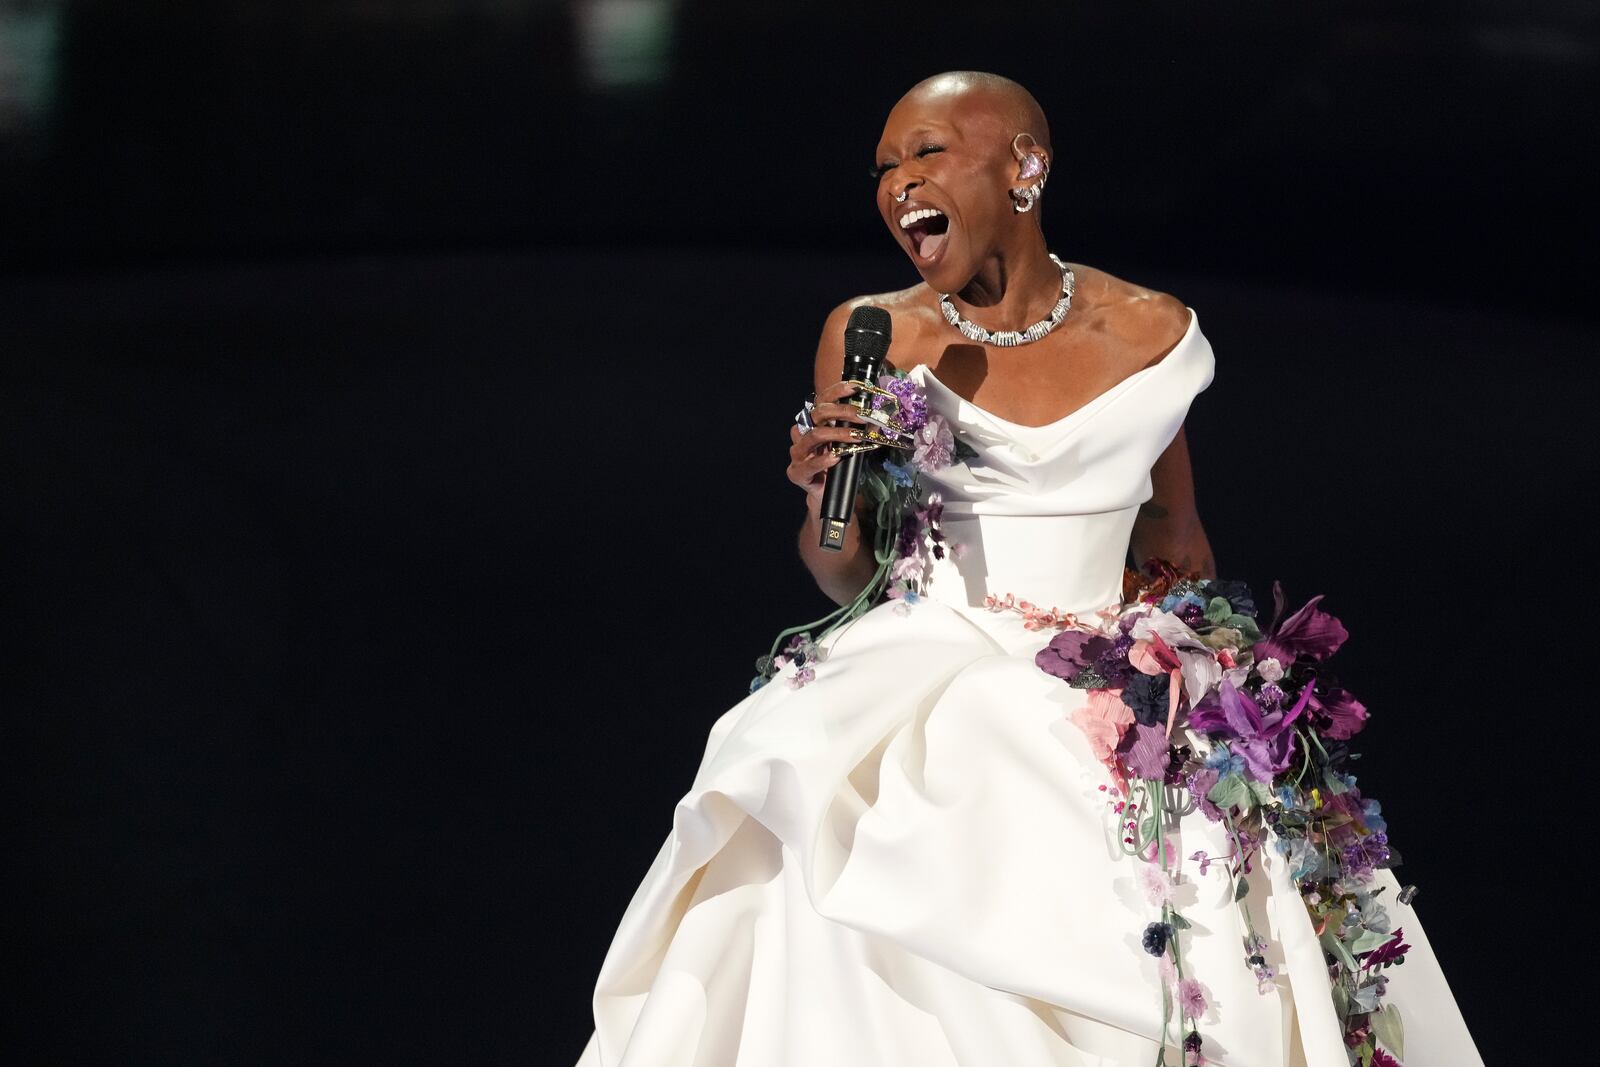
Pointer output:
911, 861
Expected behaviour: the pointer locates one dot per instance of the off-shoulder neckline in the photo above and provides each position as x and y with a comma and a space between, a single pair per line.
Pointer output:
1190, 332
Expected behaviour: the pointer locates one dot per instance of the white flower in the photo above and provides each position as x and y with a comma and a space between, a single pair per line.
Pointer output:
1269, 669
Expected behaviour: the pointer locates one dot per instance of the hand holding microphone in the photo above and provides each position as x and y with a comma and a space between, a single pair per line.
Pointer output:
811, 453
831, 421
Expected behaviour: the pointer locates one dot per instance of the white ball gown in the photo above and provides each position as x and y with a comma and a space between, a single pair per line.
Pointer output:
910, 860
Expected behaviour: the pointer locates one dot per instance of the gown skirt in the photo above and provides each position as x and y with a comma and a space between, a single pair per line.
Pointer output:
912, 861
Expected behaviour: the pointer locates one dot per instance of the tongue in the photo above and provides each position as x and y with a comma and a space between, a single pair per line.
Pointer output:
930, 245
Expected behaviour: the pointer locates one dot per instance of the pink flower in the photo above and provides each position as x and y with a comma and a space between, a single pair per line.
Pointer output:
1192, 999
907, 567
1104, 718
935, 445
1154, 884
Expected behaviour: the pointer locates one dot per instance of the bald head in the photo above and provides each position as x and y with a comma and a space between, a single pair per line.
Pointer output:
1012, 106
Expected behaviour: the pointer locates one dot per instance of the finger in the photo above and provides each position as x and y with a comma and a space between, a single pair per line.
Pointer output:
811, 462
839, 412
808, 474
826, 434
836, 391
808, 465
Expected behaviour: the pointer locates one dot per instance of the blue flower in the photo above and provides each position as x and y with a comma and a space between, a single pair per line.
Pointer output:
1224, 762
903, 476
1369, 815
1286, 796
1172, 601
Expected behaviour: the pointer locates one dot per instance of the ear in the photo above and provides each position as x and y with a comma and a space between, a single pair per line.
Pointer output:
1033, 168
1031, 159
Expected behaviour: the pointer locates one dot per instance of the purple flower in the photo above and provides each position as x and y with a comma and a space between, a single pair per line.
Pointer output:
1336, 713
913, 402
1070, 652
1192, 998
1264, 739
1391, 951
1144, 751
1200, 783
1359, 859
1309, 632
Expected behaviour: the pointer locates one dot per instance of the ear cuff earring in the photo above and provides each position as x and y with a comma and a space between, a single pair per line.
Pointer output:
1034, 165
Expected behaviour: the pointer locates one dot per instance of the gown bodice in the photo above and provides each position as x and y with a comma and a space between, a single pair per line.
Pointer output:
1045, 512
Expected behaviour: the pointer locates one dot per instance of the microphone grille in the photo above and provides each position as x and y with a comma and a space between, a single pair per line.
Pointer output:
866, 339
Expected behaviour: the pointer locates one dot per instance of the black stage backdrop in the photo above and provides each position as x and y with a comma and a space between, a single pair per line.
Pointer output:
355, 648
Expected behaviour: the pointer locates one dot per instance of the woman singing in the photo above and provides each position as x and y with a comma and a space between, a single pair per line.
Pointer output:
915, 847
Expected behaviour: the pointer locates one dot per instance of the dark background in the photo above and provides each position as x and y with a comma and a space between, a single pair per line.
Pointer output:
356, 648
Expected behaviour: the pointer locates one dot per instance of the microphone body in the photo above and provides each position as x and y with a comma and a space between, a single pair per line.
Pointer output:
866, 342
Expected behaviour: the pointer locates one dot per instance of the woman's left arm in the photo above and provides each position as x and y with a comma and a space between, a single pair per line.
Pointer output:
1168, 525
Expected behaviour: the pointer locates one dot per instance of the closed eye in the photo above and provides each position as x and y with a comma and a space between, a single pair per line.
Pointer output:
883, 168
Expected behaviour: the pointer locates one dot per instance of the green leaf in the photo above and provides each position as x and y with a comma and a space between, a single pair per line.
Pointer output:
1389, 1028
1259, 792
1229, 792
1219, 609
1179, 922
1332, 782
1341, 1001
1367, 941
1330, 941
1241, 890
1246, 626
1147, 827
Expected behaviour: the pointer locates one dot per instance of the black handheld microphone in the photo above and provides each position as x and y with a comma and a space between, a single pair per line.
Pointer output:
866, 342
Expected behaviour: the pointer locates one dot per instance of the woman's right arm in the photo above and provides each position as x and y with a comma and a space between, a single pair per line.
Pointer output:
843, 574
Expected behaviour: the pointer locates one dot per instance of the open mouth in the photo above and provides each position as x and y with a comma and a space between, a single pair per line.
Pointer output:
927, 230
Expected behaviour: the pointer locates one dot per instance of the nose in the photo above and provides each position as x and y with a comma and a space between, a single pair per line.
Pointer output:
899, 193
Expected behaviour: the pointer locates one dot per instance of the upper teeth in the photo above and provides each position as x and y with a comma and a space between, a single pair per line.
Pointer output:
917, 216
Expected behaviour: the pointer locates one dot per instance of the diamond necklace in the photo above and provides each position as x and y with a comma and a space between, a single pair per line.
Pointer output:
1012, 338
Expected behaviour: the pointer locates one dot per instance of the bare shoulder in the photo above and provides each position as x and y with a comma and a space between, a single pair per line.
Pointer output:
908, 309
902, 304
1144, 319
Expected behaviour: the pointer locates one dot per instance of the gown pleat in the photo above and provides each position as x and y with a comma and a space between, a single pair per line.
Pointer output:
913, 860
